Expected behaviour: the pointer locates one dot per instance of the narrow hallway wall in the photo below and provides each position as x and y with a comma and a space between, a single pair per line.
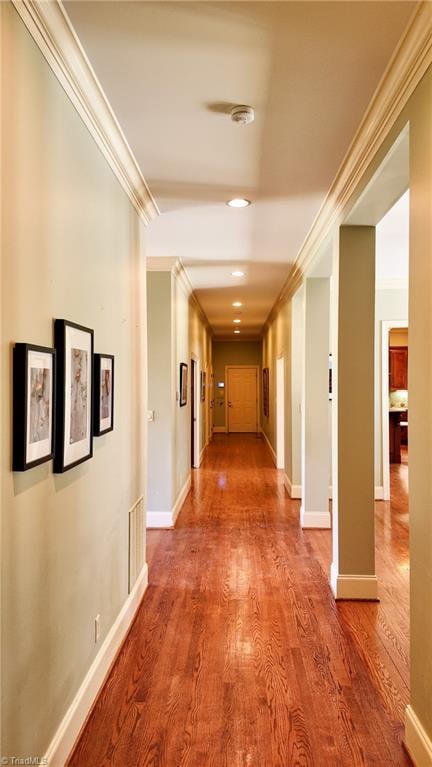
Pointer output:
72, 247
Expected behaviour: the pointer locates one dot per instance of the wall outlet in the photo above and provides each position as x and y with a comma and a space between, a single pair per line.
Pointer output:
97, 628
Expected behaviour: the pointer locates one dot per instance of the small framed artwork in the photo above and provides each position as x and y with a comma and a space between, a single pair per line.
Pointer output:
266, 392
183, 383
203, 385
330, 376
34, 370
74, 422
103, 405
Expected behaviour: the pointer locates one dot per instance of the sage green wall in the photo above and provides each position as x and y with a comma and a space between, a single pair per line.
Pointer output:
276, 343
160, 391
72, 247
231, 353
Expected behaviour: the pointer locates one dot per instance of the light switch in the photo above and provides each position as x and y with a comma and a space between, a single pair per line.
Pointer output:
150, 415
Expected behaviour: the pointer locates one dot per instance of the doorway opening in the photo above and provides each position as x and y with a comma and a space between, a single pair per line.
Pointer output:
394, 406
280, 413
195, 411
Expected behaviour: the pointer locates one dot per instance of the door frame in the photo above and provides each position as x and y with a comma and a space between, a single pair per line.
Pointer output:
280, 411
386, 326
236, 367
197, 403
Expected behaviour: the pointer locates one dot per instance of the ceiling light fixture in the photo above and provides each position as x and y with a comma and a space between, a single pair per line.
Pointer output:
236, 331
238, 202
236, 321
237, 274
237, 303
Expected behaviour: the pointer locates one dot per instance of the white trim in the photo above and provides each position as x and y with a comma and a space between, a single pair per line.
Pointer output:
417, 741
219, 430
353, 586
197, 402
50, 27
294, 491
183, 494
159, 520
407, 66
280, 411
392, 283
315, 519
241, 367
273, 454
76, 716
202, 453
386, 326
167, 519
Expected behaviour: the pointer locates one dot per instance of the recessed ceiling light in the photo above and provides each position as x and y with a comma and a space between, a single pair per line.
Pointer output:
237, 274
238, 202
237, 303
236, 331
236, 321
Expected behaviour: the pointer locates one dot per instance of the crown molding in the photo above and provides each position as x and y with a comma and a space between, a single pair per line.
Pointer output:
53, 33
408, 64
176, 267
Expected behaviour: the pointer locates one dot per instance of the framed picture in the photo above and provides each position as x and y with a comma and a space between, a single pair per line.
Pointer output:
183, 383
266, 393
103, 404
330, 376
34, 370
74, 432
203, 385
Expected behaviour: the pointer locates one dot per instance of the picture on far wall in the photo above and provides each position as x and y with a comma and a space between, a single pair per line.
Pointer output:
183, 383
74, 422
266, 393
330, 376
103, 405
34, 371
203, 385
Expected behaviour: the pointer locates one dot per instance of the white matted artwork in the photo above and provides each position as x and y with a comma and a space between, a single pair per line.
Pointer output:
33, 409
103, 394
74, 344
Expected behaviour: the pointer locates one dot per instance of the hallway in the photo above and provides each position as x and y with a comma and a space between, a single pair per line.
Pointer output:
239, 655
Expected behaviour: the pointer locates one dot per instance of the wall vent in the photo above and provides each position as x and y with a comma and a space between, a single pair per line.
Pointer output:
136, 541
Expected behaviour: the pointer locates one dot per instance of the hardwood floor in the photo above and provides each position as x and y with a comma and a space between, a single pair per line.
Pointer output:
239, 656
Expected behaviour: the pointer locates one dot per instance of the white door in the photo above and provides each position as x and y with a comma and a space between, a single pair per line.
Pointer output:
242, 399
280, 413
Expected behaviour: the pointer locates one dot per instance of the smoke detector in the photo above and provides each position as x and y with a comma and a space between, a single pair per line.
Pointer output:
242, 114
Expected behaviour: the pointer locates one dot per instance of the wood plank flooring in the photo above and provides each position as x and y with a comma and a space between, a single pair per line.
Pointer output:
239, 656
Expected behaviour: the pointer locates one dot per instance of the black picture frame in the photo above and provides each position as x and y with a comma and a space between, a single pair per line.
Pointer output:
102, 363
266, 392
183, 383
27, 452
69, 450
203, 385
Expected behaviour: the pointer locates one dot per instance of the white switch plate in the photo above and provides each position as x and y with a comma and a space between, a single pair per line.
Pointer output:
150, 415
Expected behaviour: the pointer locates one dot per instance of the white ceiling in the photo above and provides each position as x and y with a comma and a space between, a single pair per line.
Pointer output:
171, 71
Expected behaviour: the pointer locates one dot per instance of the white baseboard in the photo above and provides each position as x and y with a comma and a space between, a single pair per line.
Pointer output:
181, 499
167, 519
315, 519
219, 430
379, 492
353, 586
294, 491
157, 519
76, 716
273, 454
417, 741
